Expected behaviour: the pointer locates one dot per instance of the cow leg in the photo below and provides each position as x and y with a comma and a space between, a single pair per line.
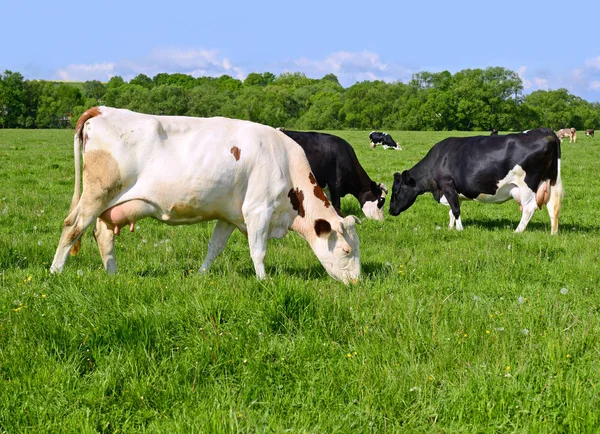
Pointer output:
449, 193
217, 243
554, 205
106, 244
78, 220
258, 228
101, 183
528, 205
336, 200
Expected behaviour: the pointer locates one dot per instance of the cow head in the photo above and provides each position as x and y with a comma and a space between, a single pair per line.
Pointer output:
404, 192
373, 201
337, 246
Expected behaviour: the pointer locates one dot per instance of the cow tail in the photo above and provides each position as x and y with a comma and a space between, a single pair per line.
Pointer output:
78, 148
77, 142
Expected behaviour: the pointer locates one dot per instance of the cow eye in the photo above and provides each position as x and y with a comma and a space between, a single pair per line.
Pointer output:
380, 202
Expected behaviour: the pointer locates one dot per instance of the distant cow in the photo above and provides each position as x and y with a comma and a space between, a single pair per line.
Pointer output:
335, 165
589, 133
182, 170
521, 166
378, 138
571, 133
494, 132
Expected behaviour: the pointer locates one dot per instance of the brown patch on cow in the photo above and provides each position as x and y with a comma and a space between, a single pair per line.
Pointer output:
322, 227
87, 115
319, 194
297, 201
76, 248
101, 177
312, 179
235, 151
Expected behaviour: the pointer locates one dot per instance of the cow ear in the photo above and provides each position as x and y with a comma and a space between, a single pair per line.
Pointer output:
351, 220
408, 180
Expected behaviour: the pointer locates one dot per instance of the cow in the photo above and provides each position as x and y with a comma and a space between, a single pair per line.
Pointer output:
571, 133
334, 164
494, 132
589, 133
490, 169
378, 138
182, 170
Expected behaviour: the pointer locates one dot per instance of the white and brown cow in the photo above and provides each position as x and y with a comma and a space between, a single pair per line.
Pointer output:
589, 133
182, 170
571, 133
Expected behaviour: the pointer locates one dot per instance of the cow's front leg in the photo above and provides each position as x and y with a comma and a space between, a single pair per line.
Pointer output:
217, 243
258, 230
451, 196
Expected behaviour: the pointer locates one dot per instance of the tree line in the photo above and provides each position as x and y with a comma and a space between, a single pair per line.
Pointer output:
469, 100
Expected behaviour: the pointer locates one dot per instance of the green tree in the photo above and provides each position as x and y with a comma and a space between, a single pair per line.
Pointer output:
142, 80
94, 89
12, 100
257, 79
169, 100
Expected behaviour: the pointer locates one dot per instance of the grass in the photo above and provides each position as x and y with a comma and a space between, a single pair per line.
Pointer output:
479, 331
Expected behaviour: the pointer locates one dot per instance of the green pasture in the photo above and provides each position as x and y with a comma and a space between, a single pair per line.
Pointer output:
477, 331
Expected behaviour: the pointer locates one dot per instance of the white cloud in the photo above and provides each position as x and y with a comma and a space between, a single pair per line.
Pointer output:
350, 67
96, 71
533, 83
196, 62
583, 81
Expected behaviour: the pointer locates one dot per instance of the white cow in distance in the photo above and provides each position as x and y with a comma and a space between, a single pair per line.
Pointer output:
182, 170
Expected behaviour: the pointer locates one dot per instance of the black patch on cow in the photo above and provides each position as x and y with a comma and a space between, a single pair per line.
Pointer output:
322, 227
297, 200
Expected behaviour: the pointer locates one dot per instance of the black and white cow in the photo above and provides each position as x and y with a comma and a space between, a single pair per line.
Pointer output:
494, 132
491, 169
334, 163
378, 138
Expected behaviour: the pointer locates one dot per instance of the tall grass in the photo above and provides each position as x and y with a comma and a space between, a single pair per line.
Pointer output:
479, 331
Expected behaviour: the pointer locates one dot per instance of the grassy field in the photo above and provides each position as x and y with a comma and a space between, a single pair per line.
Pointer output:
480, 331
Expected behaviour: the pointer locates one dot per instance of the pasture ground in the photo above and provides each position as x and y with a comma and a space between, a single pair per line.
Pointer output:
480, 331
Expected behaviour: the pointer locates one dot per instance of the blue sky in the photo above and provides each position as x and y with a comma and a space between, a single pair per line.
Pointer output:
551, 44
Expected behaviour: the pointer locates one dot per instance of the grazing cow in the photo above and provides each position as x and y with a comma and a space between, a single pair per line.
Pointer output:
522, 166
182, 170
589, 133
334, 163
571, 133
494, 132
384, 139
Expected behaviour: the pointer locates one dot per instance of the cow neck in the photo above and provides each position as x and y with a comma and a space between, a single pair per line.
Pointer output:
314, 207
422, 174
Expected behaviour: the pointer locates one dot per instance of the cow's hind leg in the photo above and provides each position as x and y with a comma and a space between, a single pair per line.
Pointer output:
106, 244
217, 243
554, 205
78, 220
528, 205
101, 183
